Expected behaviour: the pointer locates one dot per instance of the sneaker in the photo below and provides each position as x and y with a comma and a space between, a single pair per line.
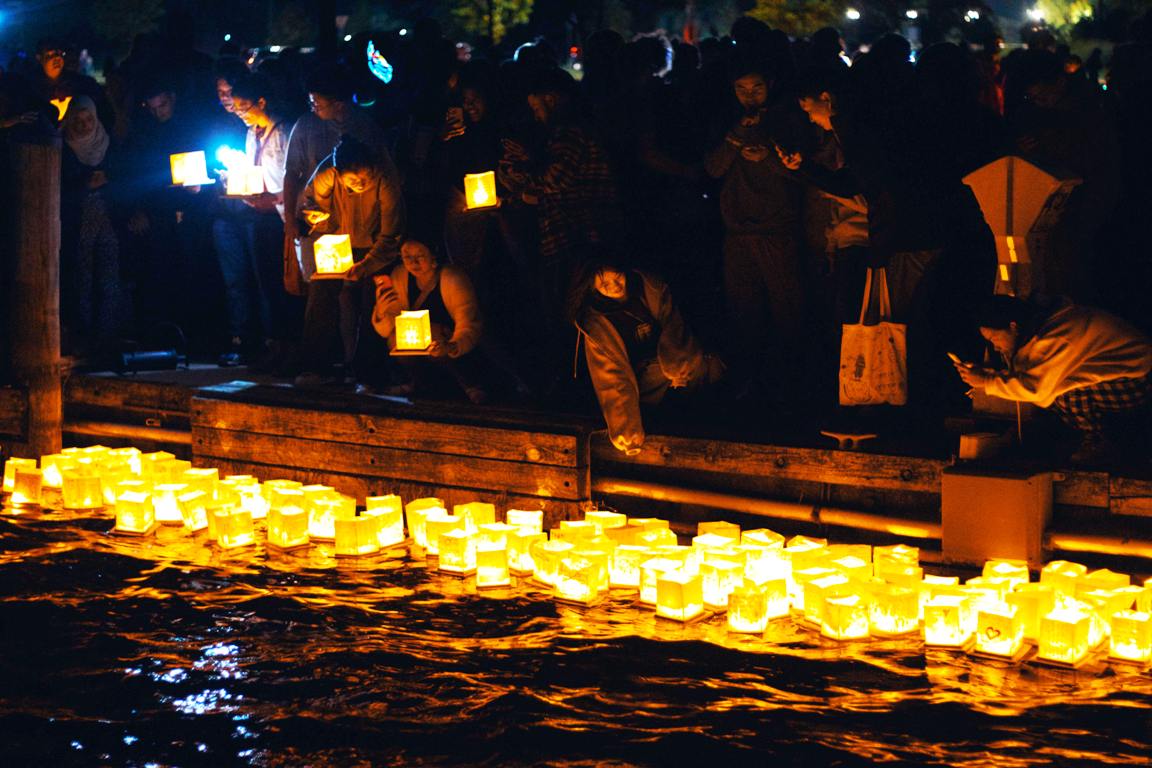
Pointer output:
233, 357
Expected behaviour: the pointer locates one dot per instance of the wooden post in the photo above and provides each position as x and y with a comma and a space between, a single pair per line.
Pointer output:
34, 287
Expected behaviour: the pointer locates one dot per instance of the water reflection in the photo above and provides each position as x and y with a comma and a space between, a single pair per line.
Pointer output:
138, 650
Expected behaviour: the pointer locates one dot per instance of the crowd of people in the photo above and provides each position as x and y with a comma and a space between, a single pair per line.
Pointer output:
698, 219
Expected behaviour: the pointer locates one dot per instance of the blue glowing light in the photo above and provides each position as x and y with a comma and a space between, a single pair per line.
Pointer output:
378, 65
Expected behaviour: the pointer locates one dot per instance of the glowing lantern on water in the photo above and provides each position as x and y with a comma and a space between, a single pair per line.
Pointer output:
650, 573
713, 541
333, 255
10, 467
528, 520
1144, 599
413, 331
624, 566
27, 486
581, 576
323, 512
851, 566
818, 591
491, 567
521, 544
278, 498
1065, 636
480, 190
193, 510
252, 499
719, 578
134, 513
805, 553
947, 621
166, 502
1102, 579
203, 479
475, 514
233, 527
720, 528
288, 527
577, 530
606, 519
357, 535
1033, 602
656, 537
903, 574
457, 550
1131, 636
436, 524
748, 609
999, 630
52, 467
390, 512
762, 563
800, 579
546, 557
245, 181
189, 169
1012, 571
895, 609
896, 554
415, 513
82, 490
844, 617
763, 537
679, 595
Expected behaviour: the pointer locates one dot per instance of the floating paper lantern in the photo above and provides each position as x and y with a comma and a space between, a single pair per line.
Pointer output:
606, 519
494, 535
844, 617
999, 630
82, 490
650, 573
581, 575
413, 331
252, 498
521, 544
480, 190
748, 609
799, 580
475, 514
134, 512
10, 467
27, 486
624, 566
714, 541
805, 553
819, 590
679, 595
763, 537
193, 510
233, 527
720, 528
1065, 636
1013, 571
111, 475
491, 567
288, 527
52, 468
656, 537
577, 530
895, 609
1033, 602
528, 520
281, 497
166, 502
415, 513
389, 511
189, 169
546, 558
896, 554
852, 566
903, 574
1102, 579
1144, 599
457, 550
324, 511
245, 181
202, 479
333, 255
947, 621
1131, 636
356, 535
436, 524
718, 579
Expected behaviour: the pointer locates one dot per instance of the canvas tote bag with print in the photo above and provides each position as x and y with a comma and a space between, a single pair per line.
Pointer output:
873, 358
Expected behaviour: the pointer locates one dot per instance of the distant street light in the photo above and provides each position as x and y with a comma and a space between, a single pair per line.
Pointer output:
852, 14
1035, 14
972, 15
912, 14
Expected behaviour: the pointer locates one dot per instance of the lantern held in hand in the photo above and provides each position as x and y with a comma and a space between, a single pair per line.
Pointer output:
190, 169
333, 256
413, 332
480, 190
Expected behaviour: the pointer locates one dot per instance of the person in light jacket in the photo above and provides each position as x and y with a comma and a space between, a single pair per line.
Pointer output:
1088, 366
420, 282
636, 345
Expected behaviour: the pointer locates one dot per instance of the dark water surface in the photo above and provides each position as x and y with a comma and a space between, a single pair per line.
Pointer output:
164, 651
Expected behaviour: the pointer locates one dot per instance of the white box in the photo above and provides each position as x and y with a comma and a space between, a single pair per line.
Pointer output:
987, 513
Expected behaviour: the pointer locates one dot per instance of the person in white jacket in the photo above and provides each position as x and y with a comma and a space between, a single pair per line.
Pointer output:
420, 282
1088, 366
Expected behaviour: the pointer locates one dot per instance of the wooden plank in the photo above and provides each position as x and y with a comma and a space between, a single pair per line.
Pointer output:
1081, 489
375, 461
360, 487
808, 464
13, 414
1131, 496
118, 394
389, 432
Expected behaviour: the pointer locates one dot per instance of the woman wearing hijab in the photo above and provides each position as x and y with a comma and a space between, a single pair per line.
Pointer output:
92, 303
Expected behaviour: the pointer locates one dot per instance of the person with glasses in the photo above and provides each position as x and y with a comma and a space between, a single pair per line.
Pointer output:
56, 82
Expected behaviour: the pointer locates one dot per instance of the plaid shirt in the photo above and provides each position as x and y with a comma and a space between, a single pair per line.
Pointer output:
575, 189
1084, 408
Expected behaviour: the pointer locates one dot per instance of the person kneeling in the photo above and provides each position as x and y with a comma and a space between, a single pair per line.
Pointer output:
419, 282
636, 345
1088, 366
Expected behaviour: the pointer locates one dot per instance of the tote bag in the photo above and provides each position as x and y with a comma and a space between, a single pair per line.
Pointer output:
873, 358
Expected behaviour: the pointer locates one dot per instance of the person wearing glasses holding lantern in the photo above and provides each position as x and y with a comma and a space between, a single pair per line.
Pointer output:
355, 191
